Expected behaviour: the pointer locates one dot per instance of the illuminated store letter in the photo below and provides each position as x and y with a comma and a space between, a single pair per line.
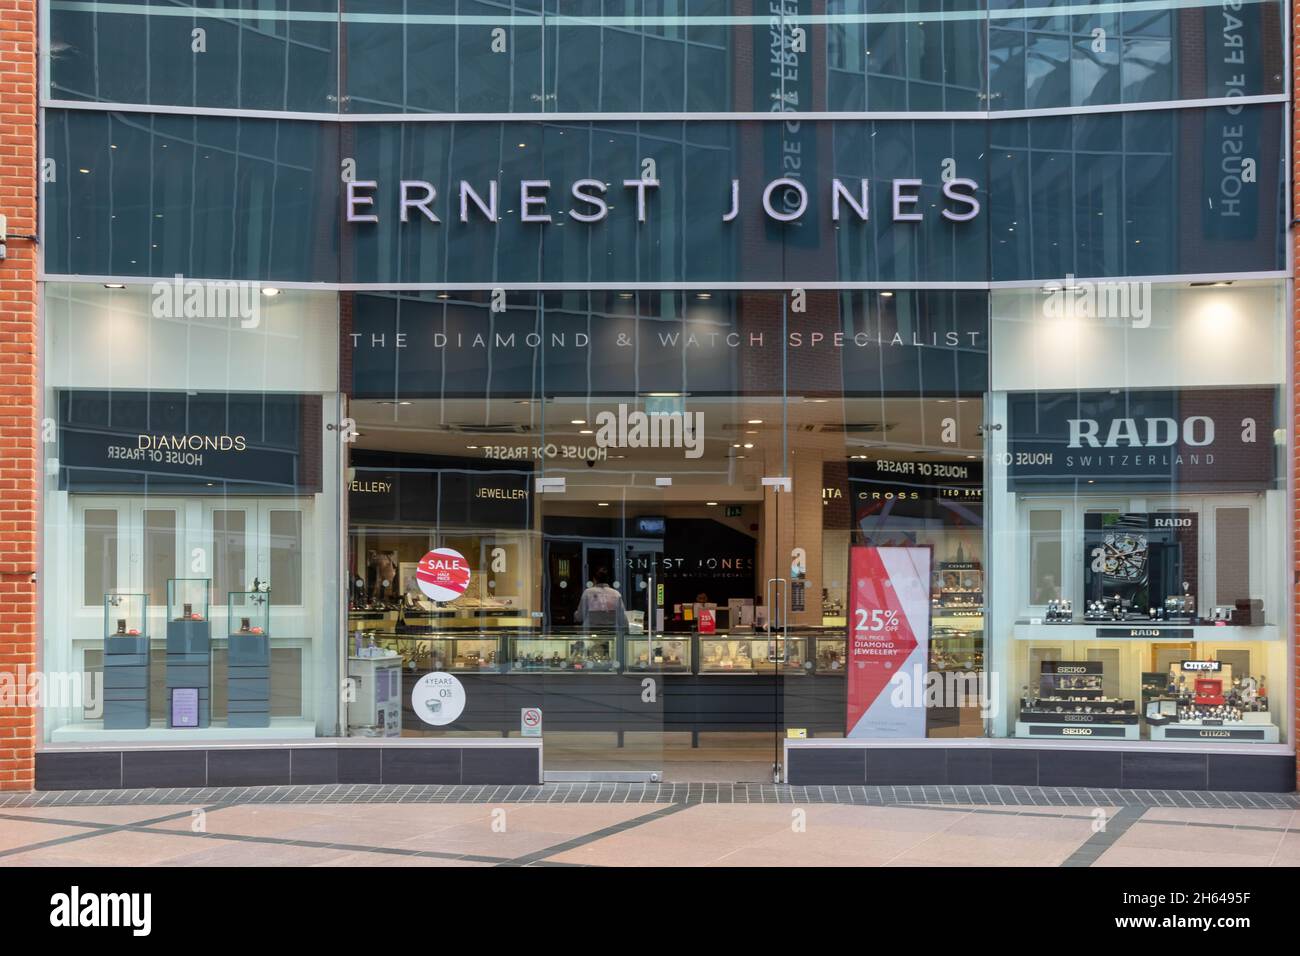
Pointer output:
785, 183
467, 195
527, 200
951, 191
910, 199
859, 205
354, 200
640, 185
593, 198
405, 204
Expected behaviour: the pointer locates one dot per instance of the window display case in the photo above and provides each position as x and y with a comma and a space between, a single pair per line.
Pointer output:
1071, 700
669, 653
248, 659
472, 652
747, 654
830, 654
1206, 700
187, 599
126, 661
565, 653
189, 653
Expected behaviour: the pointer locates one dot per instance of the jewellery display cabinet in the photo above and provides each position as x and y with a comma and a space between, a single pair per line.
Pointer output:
189, 653
126, 662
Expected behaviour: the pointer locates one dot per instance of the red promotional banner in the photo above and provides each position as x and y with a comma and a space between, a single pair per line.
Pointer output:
889, 635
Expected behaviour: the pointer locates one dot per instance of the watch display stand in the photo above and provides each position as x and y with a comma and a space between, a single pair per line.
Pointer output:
189, 653
126, 662
248, 659
1070, 702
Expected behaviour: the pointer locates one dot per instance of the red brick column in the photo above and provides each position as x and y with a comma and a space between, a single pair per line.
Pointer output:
19, 397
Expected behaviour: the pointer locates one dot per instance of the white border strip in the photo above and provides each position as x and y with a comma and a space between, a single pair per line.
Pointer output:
674, 117
297, 743
634, 285
1026, 743
545, 19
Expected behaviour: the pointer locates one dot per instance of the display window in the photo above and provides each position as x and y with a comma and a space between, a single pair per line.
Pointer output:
1148, 588
191, 513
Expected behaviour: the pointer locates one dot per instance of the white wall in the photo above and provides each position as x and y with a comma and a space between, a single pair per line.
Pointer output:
1234, 335
109, 338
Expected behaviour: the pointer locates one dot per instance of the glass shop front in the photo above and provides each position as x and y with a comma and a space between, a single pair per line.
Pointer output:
668, 439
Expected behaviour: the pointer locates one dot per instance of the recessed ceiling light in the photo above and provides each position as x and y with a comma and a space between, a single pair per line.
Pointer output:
444, 295
585, 431
577, 421
754, 421
749, 444
471, 447
704, 295
711, 504
114, 285
886, 295
270, 292
602, 504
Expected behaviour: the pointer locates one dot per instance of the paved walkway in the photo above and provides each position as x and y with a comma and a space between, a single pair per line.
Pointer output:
653, 825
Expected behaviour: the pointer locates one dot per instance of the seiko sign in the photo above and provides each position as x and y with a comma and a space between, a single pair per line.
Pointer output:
591, 200
1196, 431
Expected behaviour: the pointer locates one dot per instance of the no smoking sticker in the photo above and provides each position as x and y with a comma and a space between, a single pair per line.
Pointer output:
530, 722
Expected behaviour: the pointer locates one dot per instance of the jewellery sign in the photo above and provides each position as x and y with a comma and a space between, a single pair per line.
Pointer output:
1215, 437
889, 635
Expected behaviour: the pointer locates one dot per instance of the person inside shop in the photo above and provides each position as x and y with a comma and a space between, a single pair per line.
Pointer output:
601, 605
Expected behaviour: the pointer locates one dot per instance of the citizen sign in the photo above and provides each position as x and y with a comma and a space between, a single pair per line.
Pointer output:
590, 200
1196, 430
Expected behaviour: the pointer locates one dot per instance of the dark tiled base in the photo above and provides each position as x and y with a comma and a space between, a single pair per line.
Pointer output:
1027, 767
284, 766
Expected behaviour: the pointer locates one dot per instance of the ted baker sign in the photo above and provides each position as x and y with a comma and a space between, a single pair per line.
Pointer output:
589, 200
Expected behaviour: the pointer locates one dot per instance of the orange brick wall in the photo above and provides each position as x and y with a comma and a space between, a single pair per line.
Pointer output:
19, 461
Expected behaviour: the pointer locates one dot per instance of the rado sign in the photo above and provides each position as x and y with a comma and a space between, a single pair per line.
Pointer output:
1220, 437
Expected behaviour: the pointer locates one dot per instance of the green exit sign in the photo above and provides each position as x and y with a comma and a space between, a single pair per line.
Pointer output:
733, 511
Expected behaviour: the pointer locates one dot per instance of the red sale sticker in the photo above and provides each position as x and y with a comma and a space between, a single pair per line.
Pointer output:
443, 574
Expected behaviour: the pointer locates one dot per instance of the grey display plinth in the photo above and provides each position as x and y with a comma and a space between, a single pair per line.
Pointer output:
189, 664
248, 658
126, 683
